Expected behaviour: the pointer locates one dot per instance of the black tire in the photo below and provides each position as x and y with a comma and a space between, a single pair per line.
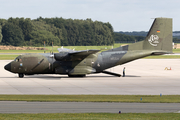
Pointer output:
21, 75
77, 75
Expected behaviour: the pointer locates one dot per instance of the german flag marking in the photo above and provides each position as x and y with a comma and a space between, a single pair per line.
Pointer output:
158, 31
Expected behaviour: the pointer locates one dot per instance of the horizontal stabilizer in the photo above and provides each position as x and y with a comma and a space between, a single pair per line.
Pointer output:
160, 53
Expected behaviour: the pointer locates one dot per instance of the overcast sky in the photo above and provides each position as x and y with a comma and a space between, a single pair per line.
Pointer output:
124, 15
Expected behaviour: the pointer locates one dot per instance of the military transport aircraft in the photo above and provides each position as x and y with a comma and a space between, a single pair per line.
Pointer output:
79, 63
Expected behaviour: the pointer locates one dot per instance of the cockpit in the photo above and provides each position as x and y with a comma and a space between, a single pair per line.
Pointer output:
18, 59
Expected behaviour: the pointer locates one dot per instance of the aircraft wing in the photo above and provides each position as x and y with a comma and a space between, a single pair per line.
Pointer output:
74, 55
84, 52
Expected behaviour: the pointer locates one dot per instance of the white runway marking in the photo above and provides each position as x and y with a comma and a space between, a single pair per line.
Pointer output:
143, 77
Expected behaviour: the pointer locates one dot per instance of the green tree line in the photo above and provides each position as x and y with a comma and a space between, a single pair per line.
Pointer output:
65, 32
62, 32
131, 37
123, 38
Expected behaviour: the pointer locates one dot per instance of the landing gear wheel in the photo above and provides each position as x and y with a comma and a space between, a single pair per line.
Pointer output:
77, 75
21, 75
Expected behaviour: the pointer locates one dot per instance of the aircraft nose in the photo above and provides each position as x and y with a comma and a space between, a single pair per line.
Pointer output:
8, 67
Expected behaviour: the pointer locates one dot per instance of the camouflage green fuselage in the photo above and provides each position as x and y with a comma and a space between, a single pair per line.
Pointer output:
43, 63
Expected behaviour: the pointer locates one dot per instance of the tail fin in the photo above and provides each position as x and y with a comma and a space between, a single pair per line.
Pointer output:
159, 37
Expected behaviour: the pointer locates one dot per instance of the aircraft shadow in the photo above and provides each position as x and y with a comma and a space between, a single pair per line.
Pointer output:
131, 76
34, 77
59, 77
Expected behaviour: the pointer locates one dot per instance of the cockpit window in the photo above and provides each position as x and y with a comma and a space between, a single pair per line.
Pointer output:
18, 59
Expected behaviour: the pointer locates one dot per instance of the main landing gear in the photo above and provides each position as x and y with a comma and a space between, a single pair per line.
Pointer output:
77, 75
21, 75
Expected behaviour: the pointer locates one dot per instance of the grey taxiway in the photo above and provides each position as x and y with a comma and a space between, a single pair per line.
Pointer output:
86, 107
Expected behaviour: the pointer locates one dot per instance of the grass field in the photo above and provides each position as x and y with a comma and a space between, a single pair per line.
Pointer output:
56, 47
72, 47
176, 50
102, 48
94, 98
163, 57
8, 57
12, 57
91, 116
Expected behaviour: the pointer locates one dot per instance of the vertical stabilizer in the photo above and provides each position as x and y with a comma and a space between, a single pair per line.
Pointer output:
160, 35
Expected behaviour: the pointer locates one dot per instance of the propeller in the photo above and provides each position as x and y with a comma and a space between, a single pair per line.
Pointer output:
44, 47
52, 56
52, 47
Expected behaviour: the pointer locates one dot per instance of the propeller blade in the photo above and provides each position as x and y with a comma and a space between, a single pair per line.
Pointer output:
52, 56
44, 47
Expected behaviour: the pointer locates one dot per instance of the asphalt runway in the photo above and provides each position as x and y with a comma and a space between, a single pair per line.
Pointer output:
86, 107
143, 77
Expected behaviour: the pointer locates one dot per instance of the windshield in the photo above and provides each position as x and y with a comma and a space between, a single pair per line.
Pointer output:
18, 59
